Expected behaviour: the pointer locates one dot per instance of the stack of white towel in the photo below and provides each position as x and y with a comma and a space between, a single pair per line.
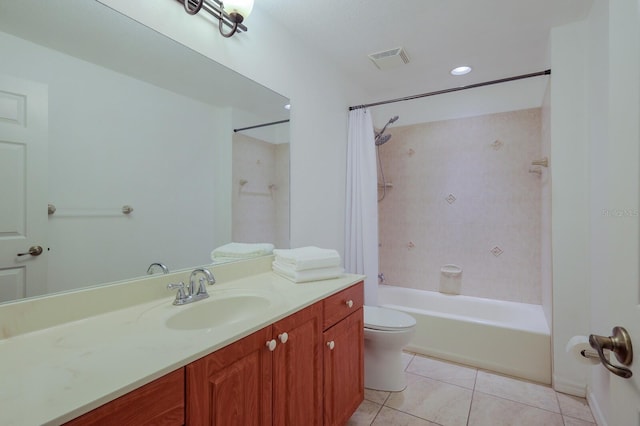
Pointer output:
307, 264
238, 251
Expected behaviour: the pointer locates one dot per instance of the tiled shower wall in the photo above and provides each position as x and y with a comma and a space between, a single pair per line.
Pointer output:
260, 199
462, 193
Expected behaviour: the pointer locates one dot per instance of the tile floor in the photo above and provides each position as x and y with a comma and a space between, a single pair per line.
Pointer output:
441, 393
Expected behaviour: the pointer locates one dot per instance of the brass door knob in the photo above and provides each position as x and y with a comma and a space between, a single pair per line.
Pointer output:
619, 344
33, 251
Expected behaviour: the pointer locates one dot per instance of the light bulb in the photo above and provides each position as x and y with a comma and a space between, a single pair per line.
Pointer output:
239, 9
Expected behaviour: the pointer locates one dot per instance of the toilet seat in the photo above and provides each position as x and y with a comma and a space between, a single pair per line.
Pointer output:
383, 319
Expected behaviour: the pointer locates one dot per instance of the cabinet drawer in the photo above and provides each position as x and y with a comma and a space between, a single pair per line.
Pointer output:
341, 304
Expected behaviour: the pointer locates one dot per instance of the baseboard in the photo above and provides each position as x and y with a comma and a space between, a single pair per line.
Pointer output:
595, 409
569, 387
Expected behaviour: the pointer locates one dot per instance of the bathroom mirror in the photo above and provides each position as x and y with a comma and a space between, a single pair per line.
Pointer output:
137, 119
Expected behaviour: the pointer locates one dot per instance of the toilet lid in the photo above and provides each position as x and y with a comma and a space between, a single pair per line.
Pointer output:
385, 319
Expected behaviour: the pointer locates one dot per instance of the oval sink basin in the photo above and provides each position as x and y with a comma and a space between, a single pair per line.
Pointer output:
218, 311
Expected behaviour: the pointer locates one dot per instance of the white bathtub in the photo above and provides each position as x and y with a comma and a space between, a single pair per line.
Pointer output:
505, 337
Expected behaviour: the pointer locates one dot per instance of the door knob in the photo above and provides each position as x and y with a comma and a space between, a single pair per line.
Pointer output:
33, 251
619, 344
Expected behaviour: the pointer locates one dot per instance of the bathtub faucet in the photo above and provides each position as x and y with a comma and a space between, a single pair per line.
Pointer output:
380, 278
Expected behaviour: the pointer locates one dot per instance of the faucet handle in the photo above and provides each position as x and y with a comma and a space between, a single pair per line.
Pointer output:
202, 289
181, 297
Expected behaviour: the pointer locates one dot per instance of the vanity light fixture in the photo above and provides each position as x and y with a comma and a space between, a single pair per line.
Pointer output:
231, 13
461, 70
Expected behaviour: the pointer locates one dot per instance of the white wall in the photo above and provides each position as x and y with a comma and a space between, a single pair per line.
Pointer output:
570, 202
319, 97
98, 118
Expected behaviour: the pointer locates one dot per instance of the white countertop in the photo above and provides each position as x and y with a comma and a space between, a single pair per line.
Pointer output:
55, 374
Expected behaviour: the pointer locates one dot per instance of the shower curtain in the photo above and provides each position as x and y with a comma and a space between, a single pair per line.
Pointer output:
361, 226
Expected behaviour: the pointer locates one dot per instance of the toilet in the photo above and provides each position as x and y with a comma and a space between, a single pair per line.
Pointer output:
386, 333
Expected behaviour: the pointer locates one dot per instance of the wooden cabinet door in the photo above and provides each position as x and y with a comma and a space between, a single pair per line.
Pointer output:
160, 402
343, 369
297, 369
232, 386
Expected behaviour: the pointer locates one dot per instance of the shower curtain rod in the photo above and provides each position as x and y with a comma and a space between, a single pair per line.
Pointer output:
261, 125
454, 89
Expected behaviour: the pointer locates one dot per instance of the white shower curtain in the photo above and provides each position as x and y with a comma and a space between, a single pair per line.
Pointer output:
361, 227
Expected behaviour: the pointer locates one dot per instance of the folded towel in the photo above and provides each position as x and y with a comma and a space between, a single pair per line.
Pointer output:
308, 275
303, 258
242, 250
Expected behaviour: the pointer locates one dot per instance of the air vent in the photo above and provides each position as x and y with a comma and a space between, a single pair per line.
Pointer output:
389, 58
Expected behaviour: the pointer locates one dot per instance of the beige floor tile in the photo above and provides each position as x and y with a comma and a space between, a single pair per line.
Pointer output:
570, 421
379, 397
390, 417
575, 407
519, 391
432, 400
406, 358
365, 414
443, 371
487, 410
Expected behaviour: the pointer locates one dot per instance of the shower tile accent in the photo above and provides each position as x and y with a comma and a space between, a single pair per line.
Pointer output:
495, 200
496, 251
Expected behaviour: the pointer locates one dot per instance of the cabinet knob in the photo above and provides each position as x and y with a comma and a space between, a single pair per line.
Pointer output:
283, 337
271, 344
331, 345
349, 303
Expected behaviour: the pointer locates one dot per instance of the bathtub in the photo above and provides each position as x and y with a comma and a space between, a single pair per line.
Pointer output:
505, 337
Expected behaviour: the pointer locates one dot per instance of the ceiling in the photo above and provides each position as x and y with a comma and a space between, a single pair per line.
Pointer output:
497, 38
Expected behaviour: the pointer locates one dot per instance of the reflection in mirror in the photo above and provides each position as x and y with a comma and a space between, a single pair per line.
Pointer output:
135, 118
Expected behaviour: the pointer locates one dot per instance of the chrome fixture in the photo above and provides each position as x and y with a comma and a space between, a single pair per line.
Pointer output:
230, 13
379, 139
52, 209
181, 297
162, 266
202, 288
543, 162
187, 294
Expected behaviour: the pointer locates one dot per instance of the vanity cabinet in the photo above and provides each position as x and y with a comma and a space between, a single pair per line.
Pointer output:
160, 402
305, 369
272, 377
343, 355
232, 386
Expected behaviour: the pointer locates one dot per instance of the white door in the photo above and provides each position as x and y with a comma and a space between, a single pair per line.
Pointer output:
23, 189
624, 196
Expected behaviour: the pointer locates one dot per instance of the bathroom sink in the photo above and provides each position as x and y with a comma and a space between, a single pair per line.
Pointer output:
218, 311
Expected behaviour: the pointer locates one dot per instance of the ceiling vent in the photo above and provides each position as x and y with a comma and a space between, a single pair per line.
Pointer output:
389, 58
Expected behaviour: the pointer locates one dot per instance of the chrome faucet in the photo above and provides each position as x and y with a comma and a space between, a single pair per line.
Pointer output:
187, 294
162, 266
202, 288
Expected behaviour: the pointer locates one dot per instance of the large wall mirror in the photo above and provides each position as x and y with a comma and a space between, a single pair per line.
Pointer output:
136, 119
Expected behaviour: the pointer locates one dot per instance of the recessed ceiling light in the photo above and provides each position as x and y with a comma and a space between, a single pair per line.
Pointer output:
461, 70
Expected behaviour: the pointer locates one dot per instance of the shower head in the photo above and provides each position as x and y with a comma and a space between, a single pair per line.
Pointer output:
391, 120
382, 139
